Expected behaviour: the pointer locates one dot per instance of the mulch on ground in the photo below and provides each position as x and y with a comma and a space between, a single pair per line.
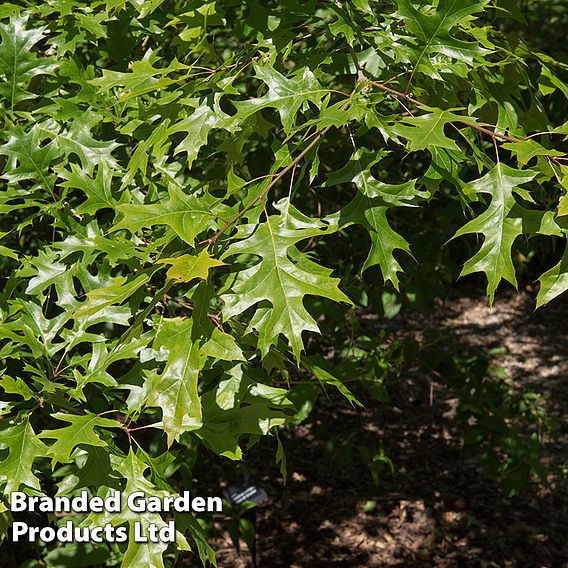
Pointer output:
438, 507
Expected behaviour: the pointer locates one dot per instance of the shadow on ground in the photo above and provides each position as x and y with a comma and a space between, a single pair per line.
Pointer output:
438, 507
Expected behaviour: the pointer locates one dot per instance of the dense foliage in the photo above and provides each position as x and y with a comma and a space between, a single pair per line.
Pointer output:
190, 191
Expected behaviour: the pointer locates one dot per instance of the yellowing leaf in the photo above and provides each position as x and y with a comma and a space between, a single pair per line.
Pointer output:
187, 267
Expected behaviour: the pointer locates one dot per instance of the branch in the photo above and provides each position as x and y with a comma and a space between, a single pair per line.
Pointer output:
212, 240
418, 103
317, 137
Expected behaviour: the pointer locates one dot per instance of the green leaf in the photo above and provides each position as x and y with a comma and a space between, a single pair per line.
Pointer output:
77, 139
15, 386
526, 150
18, 64
427, 130
23, 447
326, 377
98, 190
187, 215
5, 251
6, 521
283, 277
102, 359
501, 223
131, 130
369, 209
46, 270
213, 341
185, 344
433, 30
142, 78
96, 470
101, 298
81, 431
239, 407
175, 389
149, 554
198, 126
553, 282
287, 95
281, 459
29, 159
548, 82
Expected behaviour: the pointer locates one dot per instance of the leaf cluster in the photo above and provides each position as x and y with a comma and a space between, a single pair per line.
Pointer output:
189, 189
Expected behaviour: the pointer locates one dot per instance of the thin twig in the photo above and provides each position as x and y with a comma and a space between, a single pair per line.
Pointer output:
549, 160
416, 102
318, 135
212, 240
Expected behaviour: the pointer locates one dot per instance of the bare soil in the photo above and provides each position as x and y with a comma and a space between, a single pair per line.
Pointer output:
438, 507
